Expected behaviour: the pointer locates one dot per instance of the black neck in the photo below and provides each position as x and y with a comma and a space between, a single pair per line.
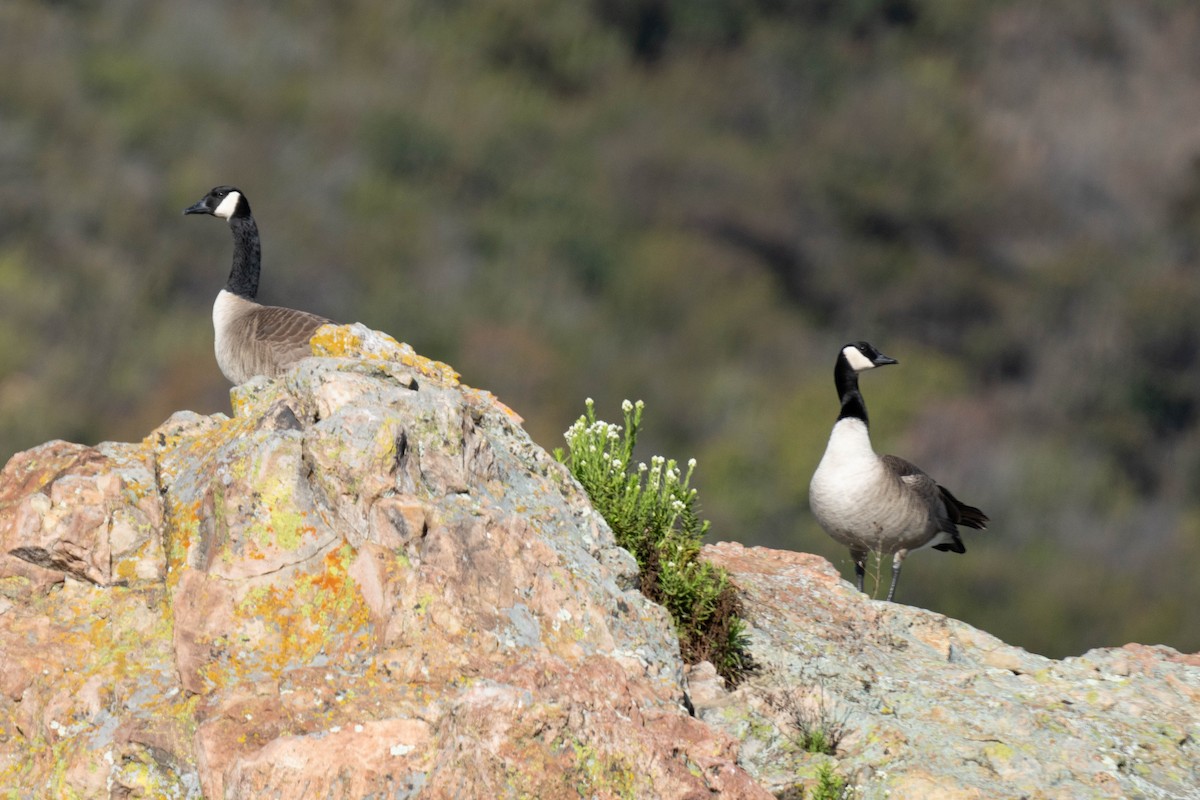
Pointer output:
846, 380
247, 257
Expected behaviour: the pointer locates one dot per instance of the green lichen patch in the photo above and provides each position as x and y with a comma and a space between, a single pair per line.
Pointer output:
596, 773
14, 586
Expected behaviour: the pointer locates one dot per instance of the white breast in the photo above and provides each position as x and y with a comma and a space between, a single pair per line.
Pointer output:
228, 310
840, 488
855, 499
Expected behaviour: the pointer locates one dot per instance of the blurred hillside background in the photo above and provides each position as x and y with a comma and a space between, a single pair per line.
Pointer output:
692, 202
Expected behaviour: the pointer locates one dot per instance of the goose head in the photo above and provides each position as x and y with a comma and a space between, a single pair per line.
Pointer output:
225, 202
862, 356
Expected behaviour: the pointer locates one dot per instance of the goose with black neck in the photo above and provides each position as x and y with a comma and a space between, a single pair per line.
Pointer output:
251, 339
879, 504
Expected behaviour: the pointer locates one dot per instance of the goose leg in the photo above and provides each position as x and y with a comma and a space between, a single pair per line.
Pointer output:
860, 566
897, 561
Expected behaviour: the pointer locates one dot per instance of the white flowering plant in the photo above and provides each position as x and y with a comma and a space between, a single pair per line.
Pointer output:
652, 511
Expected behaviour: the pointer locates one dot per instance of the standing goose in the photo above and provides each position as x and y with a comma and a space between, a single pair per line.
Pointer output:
251, 339
879, 504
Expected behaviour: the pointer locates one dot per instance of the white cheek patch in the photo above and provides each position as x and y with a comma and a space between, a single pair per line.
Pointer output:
857, 361
228, 205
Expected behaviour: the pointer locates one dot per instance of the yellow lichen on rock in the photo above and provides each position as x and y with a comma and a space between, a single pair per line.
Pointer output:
342, 590
358, 341
286, 624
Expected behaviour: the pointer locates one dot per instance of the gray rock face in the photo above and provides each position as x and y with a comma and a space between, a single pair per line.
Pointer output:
368, 582
933, 708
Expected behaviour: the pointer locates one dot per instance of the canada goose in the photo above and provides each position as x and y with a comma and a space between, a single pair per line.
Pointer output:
251, 339
880, 504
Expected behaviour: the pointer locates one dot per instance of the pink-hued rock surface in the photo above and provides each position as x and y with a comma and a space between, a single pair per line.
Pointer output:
369, 582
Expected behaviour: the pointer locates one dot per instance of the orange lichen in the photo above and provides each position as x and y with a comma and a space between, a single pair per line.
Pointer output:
314, 613
342, 341
486, 398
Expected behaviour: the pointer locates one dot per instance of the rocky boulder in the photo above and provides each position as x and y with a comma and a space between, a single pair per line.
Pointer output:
929, 707
367, 582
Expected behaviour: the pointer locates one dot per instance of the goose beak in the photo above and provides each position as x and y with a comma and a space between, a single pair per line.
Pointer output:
880, 360
198, 208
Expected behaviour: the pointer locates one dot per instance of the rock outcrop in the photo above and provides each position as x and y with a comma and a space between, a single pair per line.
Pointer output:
369, 582
930, 707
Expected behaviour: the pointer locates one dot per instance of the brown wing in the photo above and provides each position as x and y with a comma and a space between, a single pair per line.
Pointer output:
901, 467
950, 510
914, 477
283, 334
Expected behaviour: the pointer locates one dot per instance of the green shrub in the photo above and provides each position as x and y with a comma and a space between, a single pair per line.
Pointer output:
652, 512
830, 785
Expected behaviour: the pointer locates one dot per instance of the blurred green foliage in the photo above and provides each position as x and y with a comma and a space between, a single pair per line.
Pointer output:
695, 203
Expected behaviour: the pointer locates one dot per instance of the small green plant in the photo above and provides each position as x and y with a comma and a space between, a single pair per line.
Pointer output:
830, 785
815, 726
652, 511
